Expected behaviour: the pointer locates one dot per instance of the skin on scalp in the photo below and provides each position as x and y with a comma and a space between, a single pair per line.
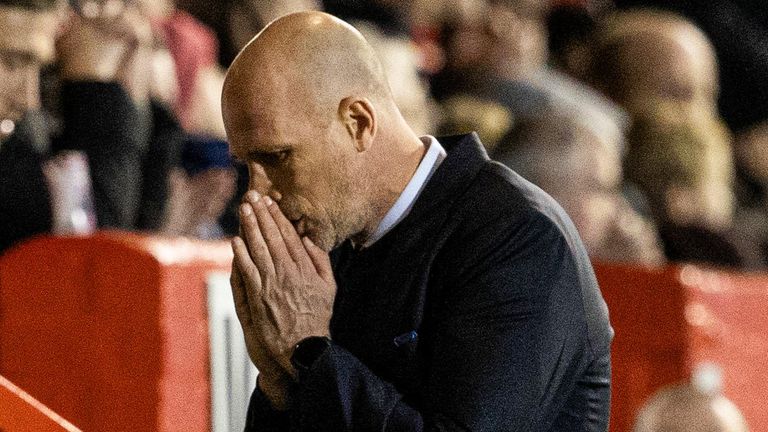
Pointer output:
307, 106
655, 55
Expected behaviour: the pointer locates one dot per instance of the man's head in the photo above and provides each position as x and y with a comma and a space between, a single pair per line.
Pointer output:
501, 38
307, 101
682, 160
647, 56
27, 31
685, 408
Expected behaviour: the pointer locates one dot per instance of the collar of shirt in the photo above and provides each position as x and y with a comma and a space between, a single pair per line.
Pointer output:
432, 159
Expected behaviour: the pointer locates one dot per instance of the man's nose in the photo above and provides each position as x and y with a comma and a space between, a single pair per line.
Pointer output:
259, 181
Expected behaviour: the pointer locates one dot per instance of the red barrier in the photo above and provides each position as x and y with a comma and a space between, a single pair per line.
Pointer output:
111, 330
669, 320
20, 412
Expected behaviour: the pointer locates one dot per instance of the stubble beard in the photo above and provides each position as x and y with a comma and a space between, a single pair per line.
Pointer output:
348, 219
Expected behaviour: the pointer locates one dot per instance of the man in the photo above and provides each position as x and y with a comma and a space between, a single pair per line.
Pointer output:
496, 59
647, 57
688, 407
457, 295
26, 42
129, 148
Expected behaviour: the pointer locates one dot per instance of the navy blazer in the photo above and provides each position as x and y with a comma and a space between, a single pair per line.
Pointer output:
479, 311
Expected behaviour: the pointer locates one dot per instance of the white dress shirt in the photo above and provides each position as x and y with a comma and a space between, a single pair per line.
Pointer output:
432, 159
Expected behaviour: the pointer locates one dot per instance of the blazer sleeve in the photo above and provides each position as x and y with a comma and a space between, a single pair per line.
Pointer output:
101, 120
508, 343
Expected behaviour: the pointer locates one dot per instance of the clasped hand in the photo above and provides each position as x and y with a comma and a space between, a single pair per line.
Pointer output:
283, 288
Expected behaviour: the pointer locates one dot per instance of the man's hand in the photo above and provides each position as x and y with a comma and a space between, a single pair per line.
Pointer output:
105, 51
273, 378
283, 288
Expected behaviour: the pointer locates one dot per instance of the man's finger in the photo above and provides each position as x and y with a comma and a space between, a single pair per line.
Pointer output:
320, 259
248, 271
269, 230
290, 236
239, 295
257, 247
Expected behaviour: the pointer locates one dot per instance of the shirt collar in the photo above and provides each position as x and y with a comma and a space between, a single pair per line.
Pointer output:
432, 159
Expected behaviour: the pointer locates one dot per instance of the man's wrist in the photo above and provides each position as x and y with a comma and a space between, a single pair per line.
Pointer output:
275, 389
307, 352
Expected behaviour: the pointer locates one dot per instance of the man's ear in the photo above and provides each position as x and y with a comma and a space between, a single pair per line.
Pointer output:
359, 119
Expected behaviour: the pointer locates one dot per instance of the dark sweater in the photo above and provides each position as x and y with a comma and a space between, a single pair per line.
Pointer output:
511, 331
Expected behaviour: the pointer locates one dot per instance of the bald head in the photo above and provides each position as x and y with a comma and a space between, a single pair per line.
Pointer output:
311, 57
647, 55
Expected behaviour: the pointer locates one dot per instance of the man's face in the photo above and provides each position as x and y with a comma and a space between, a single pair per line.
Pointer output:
19, 84
26, 40
672, 64
306, 163
491, 34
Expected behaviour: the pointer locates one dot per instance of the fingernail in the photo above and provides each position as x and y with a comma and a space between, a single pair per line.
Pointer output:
252, 196
245, 209
268, 201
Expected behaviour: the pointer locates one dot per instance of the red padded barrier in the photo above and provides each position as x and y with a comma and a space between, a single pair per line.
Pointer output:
111, 330
20, 412
669, 320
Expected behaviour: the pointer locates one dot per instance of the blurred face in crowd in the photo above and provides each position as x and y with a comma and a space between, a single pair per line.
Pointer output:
26, 42
505, 37
660, 58
684, 408
682, 159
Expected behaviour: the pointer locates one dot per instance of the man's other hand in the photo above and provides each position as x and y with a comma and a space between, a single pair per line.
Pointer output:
273, 379
102, 50
287, 287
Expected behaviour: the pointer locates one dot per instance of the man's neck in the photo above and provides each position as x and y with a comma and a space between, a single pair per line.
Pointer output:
399, 173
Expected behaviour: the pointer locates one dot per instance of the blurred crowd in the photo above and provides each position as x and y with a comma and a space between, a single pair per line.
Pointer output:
647, 120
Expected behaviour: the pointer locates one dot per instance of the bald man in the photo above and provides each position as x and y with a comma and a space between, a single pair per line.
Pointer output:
456, 296
645, 57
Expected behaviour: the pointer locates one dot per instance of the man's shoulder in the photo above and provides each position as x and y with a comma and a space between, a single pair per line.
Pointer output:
500, 193
485, 203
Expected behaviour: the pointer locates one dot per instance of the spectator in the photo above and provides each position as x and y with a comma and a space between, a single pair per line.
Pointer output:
576, 158
496, 57
681, 159
644, 57
202, 187
696, 406
105, 64
663, 70
108, 110
26, 43
737, 30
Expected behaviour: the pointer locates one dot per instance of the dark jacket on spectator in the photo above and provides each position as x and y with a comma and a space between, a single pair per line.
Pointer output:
129, 155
